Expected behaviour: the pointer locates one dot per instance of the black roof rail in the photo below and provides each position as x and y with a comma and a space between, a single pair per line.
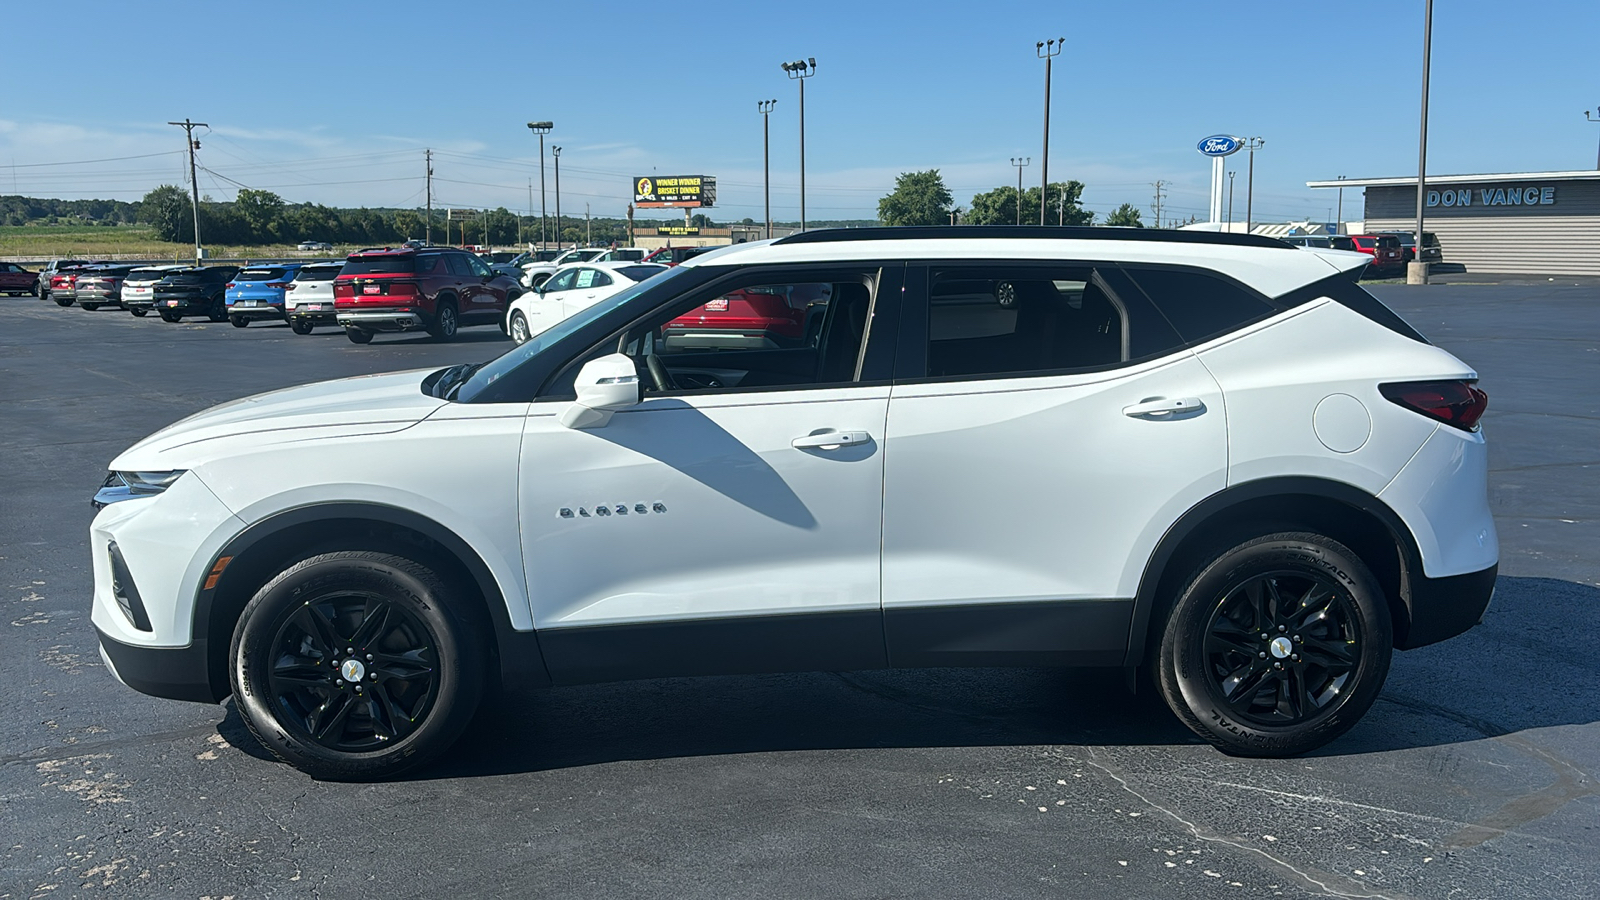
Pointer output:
1030, 232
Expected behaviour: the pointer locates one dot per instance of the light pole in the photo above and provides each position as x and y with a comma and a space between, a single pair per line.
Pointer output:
1020, 163
1597, 151
1338, 222
556, 152
1047, 51
1230, 201
541, 129
1417, 270
1251, 144
765, 107
800, 70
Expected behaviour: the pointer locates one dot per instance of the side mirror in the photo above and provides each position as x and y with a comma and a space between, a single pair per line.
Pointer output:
604, 386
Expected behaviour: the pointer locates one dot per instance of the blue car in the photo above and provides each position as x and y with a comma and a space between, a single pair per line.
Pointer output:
257, 293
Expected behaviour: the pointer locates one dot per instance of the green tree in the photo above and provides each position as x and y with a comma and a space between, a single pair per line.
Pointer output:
701, 220
999, 206
167, 209
260, 212
1126, 215
918, 198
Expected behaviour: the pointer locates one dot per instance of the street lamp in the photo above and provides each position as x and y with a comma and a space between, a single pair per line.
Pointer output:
765, 108
1047, 51
1230, 201
541, 129
1597, 151
1338, 222
1020, 163
800, 70
1251, 144
1417, 270
556, 152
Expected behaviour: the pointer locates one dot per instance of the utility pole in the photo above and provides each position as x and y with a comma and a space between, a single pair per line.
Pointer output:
1597, 151
1021, 163
800, 70
1253, 144
765, 108
1047, 51
556, 151
194, 183
541, 129
1159, 186
1417, 271
1230, 201
530, 198
588, 226
428, 231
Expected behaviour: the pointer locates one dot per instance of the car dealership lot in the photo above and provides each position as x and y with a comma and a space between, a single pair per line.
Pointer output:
1473, 775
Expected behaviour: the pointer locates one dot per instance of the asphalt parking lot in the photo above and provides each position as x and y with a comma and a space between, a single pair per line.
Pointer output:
1475, 775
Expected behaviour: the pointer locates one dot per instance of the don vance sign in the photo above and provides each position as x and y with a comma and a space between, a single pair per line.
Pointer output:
1520, 195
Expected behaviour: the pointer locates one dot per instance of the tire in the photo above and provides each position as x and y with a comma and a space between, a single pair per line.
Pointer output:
61, 301
139, 311
239, 321
300, 326
170, 316
505, 328
445, 321
91, 307
218, 310
357, 336
357, 665
519, 328
1320, 666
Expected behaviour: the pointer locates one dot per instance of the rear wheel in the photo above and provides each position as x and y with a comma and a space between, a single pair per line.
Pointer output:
60, 300
444, 321
90, 306
218, 310
357, 336
1276, 646
357, 665
519, 328
170, 316
139, 311
300, 326
239, 321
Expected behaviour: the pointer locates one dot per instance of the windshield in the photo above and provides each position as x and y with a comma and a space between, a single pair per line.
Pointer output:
572, 256
516, 356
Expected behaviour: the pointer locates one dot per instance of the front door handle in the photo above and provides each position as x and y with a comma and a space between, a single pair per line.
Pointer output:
1163, 406
830, 440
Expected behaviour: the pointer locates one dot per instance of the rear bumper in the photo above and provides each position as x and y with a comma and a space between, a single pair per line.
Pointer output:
182, 304
379, 319
176, 673
1442, 608
256, 312
324, 314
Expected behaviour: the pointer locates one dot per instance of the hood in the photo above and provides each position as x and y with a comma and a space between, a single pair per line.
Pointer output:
367, 404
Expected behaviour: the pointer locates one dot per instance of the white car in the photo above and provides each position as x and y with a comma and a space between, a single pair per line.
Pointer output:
1212, 456
308, 300
571, 289
139, 288
534, 273
314, 245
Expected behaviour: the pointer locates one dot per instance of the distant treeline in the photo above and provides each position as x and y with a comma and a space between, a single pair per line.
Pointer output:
16, 210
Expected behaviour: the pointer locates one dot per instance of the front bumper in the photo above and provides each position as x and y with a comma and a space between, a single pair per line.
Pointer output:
380, 319
176, 673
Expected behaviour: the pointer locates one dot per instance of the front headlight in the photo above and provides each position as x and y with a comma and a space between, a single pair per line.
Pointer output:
121, 486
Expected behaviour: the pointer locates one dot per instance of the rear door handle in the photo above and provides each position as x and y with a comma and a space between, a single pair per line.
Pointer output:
1163, 406
830, 440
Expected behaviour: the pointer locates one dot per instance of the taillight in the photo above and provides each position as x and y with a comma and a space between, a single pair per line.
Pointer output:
1456, 403
277, 284
230, 285
289, 286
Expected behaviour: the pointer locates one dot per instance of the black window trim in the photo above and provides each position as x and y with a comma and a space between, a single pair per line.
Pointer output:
912, 364
1275, 305
886, 301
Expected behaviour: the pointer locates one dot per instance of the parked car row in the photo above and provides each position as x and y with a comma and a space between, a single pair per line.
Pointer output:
1390, 250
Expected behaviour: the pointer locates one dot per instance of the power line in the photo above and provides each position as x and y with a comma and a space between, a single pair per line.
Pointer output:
85, 162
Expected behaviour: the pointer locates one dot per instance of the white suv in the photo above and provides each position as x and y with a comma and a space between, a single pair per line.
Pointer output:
1210, 455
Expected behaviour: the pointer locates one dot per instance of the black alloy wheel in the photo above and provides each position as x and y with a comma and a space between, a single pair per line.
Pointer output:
1277, 646
91, 307
170, 316
358, 336
300, 326
218, 310
358, 665
239, 321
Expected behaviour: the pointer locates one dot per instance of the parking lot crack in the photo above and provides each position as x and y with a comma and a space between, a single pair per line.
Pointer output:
1312, 879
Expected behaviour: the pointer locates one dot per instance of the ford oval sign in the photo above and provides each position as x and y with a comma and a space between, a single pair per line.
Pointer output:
1219, 145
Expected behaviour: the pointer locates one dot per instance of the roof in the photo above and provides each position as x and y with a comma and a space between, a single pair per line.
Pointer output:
1411, 180
1270, 266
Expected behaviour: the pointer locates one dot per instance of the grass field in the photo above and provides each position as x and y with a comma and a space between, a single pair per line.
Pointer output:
124, 242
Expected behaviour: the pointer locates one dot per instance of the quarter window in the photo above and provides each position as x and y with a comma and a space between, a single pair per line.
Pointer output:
1199, 305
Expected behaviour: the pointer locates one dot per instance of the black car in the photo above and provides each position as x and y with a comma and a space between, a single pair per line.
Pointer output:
1431, 251
195, 291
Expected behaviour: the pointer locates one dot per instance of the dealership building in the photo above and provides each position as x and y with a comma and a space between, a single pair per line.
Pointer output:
1539, 223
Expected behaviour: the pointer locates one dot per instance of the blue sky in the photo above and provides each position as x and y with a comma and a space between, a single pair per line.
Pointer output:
334, 103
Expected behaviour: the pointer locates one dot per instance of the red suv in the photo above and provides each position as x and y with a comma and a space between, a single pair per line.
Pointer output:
434, 288
1384, 249
753, 318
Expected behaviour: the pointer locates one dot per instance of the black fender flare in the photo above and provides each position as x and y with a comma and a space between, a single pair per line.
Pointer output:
1218, 505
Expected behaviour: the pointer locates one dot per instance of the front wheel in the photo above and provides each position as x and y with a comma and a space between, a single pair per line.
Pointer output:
357, 336
519, 328
357, 665
1276, 646
139, 311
